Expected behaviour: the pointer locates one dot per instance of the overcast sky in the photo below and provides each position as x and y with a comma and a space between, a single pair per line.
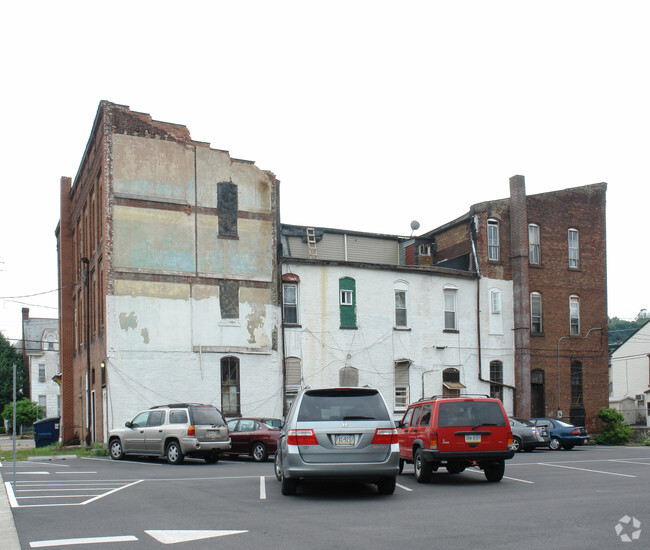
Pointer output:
371, 114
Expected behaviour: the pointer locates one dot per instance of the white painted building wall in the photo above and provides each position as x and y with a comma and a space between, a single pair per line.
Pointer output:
376, 345
630, 375
45, 387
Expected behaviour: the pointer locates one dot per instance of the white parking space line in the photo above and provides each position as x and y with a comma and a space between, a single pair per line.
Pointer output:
33, 473
504, 477
111, 492
262, 488
80, 472
585, 470
89, 540
629, 461
404, 487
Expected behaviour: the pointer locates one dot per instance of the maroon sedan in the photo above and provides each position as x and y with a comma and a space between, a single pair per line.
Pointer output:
249, 436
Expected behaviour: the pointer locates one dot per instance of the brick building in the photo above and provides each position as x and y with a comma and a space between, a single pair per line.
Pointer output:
168, 277
552, 247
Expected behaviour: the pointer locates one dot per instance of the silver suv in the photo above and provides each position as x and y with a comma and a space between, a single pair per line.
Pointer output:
338, 433
173, 431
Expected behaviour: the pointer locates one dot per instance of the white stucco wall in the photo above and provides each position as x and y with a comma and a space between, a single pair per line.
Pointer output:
374, 347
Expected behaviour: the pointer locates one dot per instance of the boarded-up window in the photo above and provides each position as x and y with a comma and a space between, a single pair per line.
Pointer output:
230, 386
227, 206
294, 371
229, 299
401, 385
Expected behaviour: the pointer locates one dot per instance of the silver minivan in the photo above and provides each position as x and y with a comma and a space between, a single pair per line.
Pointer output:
338, 433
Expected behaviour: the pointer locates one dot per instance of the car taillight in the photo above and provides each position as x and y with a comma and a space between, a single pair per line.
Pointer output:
301, 437
433, 441
535, 431
575, 432
191, 432
511, 440
385, 436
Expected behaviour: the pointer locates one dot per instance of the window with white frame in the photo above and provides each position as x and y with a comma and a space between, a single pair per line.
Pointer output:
290, 303
401, 385
536, 326
346, 297
574, 314
450, 309
41, 372
574, 252
424, 250
401, 295
534, 256
495, 301
496, 379
42, 403
493, 239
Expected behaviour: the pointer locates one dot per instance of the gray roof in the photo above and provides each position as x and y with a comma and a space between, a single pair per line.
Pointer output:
33, 329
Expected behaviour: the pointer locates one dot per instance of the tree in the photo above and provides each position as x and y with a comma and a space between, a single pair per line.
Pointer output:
27, 412
8, 357
620, 330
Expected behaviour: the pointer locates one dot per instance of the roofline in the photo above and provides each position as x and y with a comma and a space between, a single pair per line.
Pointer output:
346, 232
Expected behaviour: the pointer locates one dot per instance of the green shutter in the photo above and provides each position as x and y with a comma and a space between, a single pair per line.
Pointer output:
348, 311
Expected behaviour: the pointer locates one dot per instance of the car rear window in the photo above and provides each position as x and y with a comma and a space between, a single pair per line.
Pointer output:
206, 416
345, 404
470, 413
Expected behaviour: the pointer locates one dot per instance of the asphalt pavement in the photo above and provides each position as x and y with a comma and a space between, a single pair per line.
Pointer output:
8, 535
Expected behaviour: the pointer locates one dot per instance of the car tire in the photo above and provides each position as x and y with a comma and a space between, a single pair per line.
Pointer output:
494, 472
259, 452
173, 453
212, 459
516, 444
455, 468
386, 485
277, 466
555, 444
115, 449
289, 486
422, 469
568, 447
401, 465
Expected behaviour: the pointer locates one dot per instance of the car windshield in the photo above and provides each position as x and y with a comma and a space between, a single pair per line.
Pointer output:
206, 416
342, 404
470, 413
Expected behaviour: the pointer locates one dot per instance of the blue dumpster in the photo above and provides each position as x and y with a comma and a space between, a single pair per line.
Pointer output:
46, 431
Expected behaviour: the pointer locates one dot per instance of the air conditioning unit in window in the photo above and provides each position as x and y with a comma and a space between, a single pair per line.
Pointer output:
639, 397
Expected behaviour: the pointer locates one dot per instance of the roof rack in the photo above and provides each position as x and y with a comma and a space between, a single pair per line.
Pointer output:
460, 396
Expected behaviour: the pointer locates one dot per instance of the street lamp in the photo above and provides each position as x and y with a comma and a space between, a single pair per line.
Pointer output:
559, 411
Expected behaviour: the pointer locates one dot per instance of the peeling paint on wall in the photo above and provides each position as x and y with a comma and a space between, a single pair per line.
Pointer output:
255, 324
127, 322
145, 335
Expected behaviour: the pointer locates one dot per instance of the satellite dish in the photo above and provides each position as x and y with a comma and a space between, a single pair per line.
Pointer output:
415, 225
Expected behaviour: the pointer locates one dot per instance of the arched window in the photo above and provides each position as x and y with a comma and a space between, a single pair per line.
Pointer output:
230, 386
536, 313
450, 299
348, 302
534, 256
574, 251
496, 379
401, 304
493, 239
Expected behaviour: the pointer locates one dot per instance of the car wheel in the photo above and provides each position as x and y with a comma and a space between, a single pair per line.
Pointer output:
259, 452
289, 486
277, 467
455, 468
386, 485
568, 447
422, 468
555, 444
173, 453
116, 450
516, 444
212, 459
401, 465
494, 472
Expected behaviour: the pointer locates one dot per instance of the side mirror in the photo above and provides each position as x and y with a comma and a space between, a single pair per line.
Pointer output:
129, 424
398, 424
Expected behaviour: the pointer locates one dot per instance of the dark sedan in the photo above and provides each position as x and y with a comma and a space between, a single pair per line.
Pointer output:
528, 437
249, 436
563, 435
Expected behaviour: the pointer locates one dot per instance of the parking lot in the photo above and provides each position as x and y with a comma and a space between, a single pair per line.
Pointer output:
590, 497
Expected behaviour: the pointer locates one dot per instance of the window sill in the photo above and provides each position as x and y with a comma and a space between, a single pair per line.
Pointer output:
348, 328
451, 330
230, 237
495, 262
402, 329
292, 325
577, 269
537, 334
536, 266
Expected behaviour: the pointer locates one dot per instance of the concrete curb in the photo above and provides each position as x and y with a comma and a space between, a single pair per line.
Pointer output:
53, 457
8, 534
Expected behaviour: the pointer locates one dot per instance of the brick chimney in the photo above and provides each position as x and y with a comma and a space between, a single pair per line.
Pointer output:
519, 262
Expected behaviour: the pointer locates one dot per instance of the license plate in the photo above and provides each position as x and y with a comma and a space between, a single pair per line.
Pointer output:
472, 438
343, 439
212, 434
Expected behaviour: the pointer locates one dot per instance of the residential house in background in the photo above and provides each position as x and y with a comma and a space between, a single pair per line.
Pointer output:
630, 378
356, 314
551, 246
40, 348
168, 277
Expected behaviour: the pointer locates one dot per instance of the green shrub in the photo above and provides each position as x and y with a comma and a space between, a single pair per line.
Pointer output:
615, 430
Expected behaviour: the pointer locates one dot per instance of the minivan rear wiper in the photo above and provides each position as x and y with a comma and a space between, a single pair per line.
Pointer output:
358, 418
484, 424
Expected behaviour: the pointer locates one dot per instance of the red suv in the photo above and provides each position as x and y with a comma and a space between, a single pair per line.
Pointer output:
455, 432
